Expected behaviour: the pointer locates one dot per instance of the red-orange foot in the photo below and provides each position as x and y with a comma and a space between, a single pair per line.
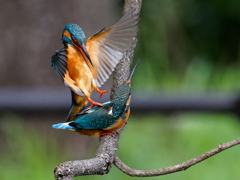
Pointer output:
103, 134
117, 131
101, 92
91, 106
94, 103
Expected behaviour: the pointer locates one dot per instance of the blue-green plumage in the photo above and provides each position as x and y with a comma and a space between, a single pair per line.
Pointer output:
77, 34
76, 38
65, 126
120, 97
98, 118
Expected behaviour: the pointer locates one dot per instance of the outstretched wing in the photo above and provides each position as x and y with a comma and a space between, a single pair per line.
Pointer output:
107, 46
59, 63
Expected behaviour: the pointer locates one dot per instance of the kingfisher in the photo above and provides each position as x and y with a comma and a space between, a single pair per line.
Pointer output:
102, 120
84, 66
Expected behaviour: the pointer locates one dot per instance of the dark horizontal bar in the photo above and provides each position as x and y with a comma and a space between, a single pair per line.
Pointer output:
52, 100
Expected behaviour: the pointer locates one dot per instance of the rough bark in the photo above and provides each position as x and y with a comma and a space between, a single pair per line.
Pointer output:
99, 165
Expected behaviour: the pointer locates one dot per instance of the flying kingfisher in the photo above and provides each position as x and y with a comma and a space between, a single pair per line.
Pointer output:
84, 66
102, 120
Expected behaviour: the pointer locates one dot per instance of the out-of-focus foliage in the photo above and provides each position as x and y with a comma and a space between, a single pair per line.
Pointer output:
189, 45
148, 142
27, 154
155, 141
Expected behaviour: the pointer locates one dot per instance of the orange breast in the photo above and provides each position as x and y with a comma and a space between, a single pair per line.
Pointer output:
78, 69
90, 132
120, 123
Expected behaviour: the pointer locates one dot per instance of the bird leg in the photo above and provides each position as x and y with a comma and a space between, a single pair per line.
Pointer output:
103, 134
94, 103
101, 92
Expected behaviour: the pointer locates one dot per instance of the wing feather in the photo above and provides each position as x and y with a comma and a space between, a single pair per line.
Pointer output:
59, 63
107, 46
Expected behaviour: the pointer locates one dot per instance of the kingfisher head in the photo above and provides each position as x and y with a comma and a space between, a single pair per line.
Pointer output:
74, 35
126, 86
122, 96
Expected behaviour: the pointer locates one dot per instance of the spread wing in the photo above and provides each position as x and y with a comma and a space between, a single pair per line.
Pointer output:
107, 46
59, 63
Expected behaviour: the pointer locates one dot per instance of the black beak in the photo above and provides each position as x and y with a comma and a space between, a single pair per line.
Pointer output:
82, 48
131, 74
86, 52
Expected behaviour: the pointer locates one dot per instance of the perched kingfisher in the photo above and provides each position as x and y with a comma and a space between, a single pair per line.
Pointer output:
84, 66
102, 120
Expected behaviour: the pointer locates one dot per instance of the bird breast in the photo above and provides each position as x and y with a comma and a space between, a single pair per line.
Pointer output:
78, 69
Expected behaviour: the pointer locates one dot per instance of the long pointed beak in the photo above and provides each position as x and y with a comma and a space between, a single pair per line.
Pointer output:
86, 52
131, 74
82, 48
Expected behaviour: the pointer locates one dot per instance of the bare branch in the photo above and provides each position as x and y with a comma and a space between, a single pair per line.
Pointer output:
171, 169
99, 165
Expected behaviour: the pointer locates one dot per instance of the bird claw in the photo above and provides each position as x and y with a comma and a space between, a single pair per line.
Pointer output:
103, 134
101, 92
94, 103
110, 134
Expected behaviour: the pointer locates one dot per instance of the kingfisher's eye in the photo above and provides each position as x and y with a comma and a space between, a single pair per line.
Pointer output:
73, 38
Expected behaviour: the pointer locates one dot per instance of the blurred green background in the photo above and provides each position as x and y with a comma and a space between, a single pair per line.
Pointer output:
185, 47
189, 46
148, 142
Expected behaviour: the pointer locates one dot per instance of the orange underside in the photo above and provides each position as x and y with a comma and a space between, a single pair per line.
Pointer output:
95, 132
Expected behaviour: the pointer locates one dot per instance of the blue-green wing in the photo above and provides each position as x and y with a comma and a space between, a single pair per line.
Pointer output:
91, 110
99, 119
59, 63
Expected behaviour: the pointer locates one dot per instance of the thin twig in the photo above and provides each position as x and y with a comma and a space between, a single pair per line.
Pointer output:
172, 169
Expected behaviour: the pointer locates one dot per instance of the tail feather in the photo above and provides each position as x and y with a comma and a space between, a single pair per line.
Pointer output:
75, 107
64, 126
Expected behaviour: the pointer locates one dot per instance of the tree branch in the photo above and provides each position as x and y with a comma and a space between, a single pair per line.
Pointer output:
99, 165
172, 169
